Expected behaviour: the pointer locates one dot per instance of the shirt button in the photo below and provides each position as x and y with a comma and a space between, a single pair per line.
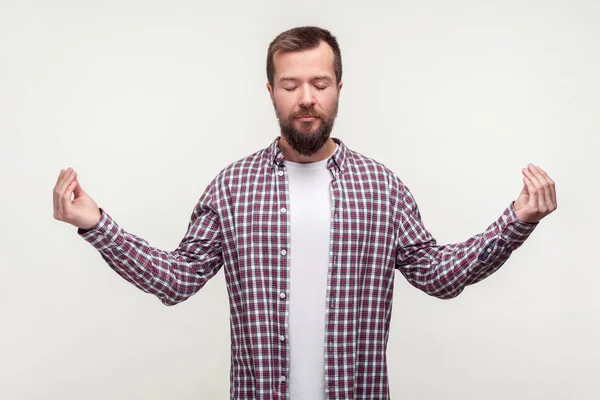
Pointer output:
280, 173
283, 210
282, 379
281, 337
489, 250
282, 295
283, 252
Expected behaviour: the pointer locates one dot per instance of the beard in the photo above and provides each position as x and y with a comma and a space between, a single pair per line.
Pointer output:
306, 140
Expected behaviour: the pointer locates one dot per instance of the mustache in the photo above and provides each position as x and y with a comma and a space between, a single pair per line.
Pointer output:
308, 114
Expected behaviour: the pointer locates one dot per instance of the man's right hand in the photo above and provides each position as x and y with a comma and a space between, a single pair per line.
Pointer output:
81, 211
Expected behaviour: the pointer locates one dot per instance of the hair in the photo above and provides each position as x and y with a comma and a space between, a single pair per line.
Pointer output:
304, 38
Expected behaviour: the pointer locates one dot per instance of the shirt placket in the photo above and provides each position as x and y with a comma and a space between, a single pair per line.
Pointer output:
281, 372
330, 389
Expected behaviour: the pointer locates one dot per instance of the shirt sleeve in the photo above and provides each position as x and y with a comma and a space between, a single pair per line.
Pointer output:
444, 271
172, 276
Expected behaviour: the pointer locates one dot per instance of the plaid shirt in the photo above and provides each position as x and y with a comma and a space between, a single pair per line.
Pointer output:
240, 222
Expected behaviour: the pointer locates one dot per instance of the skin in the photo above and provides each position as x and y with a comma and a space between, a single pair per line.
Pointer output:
538, 197
303, 81
81, 211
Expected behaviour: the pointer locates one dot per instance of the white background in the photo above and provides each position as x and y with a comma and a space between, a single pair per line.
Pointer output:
149, 100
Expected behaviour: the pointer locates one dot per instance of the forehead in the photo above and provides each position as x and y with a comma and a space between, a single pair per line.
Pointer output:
304, 64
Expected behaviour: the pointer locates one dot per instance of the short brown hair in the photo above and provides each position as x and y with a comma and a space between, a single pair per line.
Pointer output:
304, 38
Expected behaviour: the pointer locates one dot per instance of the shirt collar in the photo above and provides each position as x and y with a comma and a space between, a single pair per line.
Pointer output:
338, 158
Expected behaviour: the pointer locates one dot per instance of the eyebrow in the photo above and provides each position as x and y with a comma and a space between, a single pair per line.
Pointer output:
316, 78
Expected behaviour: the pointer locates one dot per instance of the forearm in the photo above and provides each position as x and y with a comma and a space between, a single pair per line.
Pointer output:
499, 240
171, 276
445, 270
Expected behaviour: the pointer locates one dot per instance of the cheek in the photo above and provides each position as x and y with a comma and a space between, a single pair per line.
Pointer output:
284, 104
329, 105
328, 100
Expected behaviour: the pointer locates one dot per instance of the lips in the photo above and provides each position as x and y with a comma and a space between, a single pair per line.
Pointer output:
307, 118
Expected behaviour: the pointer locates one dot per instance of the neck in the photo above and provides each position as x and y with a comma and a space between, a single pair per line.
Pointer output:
292, 155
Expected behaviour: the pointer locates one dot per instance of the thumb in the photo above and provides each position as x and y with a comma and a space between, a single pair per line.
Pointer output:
78, 191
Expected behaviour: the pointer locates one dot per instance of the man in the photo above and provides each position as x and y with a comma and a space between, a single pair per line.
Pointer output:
310, 234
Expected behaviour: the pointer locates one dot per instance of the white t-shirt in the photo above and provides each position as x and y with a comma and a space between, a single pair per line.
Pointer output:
310, 216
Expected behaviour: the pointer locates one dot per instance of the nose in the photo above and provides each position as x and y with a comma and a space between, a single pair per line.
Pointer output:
306, 97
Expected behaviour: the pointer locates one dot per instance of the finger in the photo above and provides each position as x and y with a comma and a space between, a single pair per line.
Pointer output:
58, 192
55, 194
62, 172
68, 190
551, 188
66, 181
533, 194
547, 193
541, 202
64, 176
66, 198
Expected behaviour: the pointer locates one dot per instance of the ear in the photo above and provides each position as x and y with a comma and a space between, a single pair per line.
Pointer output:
270, 89
340, 88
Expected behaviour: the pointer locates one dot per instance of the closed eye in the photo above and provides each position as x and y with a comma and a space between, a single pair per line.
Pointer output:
319, 88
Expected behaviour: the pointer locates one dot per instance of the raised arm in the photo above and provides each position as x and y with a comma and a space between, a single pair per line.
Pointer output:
445, 270
172, 276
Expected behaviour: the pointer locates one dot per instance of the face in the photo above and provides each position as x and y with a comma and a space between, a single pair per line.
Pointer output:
305, 96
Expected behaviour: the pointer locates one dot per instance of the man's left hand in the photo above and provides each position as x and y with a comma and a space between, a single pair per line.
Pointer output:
538, 197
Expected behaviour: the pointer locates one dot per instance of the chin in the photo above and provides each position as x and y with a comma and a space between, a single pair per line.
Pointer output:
309, 125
